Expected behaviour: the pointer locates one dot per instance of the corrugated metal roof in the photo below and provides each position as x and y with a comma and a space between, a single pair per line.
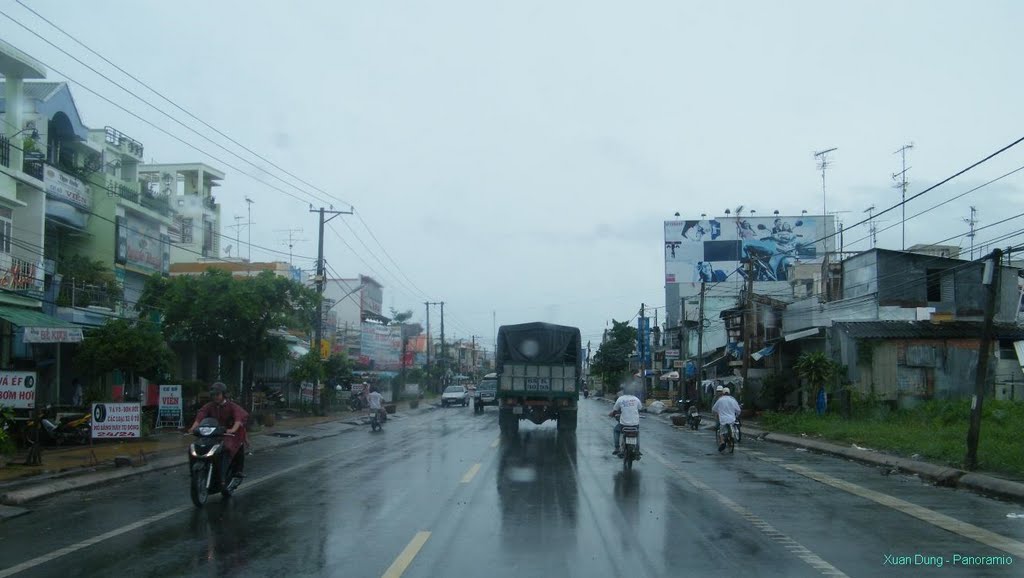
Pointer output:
925, 330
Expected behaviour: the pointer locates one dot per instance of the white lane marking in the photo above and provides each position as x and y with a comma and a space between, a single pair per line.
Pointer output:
980, 535
404, 559
469, 474
767, 529
49, 557
495, 443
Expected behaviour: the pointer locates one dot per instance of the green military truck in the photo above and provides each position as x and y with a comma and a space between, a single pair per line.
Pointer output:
539, 366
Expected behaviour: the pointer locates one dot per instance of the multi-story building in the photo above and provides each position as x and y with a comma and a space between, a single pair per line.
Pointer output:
195, 231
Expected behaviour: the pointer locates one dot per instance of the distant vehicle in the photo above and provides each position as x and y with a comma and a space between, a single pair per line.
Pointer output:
486, 393
539, 370
455, 395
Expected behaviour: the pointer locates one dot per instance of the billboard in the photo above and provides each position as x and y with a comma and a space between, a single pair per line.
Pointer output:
717, 250
381, 344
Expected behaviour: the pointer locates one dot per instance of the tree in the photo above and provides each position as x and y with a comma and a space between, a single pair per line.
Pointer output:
816, 368
135, 348
234, 318
612, 358
399, 318
87, 282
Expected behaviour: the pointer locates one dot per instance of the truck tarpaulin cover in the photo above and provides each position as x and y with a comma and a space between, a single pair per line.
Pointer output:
538, 343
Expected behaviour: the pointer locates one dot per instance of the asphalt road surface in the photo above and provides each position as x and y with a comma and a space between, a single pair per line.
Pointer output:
442, 494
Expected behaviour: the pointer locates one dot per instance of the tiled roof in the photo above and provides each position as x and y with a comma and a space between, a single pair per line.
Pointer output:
925, 329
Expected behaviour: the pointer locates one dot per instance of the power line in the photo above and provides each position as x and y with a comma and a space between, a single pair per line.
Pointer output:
156, 108
174, 104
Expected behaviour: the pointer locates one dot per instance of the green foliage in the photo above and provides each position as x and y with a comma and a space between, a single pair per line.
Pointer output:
87, 282
338, 369
231, 317
133, 347
612, 358
309, 368
936, 430
400, 317
6, 421
816, 368
776, 388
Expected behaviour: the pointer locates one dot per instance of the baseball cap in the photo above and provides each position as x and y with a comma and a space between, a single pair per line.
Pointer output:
725, 390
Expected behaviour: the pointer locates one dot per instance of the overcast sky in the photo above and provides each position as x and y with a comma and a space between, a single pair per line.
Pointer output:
520, 157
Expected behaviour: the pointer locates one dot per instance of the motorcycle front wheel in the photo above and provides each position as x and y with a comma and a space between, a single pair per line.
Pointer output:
198, 486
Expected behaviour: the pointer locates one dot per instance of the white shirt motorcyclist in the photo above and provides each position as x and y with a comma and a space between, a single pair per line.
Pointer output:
628, 407
375, 399
727, 408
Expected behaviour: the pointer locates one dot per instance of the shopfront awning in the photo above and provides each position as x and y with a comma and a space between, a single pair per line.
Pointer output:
39, 327
801, 334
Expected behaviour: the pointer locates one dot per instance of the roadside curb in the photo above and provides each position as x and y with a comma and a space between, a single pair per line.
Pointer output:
940, 475
86, 479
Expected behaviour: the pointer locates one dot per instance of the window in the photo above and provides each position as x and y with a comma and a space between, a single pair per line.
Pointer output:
6, 225
934, 284
186, 229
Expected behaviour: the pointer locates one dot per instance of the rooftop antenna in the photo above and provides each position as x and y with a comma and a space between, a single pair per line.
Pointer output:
238, 229
291, 240
972, 222
823, 164
901, 184
873, 231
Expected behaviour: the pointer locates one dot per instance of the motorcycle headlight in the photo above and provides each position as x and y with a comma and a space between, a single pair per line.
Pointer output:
207, 431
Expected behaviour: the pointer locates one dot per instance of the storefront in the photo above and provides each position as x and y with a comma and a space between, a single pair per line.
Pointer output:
35, 342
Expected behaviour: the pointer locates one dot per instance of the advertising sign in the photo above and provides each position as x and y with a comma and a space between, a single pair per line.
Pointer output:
116, 420
144, 247
170, 406
671, 354
53, 335
382, 344
715, 250
64, 187
643, 337
18, 389
306, 392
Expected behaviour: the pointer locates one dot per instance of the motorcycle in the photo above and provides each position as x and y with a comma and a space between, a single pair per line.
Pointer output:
630, 445
355, 402
692, 415
586, 393
68, 429
211, 468
375, 421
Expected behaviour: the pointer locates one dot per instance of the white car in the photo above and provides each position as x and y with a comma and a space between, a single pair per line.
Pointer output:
455, 395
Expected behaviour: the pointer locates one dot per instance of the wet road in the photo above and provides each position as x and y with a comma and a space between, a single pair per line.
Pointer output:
440, 494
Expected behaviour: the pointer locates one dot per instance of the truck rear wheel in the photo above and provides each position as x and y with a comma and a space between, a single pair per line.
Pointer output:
508, 422
567, 420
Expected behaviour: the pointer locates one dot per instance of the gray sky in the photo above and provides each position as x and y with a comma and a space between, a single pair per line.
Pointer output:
521, 156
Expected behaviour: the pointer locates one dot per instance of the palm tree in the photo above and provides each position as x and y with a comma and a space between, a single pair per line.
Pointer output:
816, 368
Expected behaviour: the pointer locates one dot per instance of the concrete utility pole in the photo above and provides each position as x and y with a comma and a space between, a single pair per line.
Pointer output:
901, 184
444, 350
320, 278
749, 321
990, 278
426, 304
700, 342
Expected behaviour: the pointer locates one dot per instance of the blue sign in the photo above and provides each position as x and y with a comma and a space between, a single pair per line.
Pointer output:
643, 345
691, 369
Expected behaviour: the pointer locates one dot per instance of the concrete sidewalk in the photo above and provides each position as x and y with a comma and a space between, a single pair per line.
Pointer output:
76, 468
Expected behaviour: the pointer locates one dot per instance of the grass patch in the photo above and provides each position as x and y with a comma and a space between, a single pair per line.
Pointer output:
936, 430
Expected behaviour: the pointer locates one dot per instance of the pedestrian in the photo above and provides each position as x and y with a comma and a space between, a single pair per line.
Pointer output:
77, 394
822, 401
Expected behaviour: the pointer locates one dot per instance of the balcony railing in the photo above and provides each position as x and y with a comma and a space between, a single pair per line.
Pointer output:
123, 141
5, 151
21, 276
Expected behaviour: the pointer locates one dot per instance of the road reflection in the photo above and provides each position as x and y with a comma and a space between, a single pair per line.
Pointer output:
538, 491
221, 538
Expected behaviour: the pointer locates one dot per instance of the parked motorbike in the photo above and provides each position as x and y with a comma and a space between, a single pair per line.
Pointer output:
69, 429
212, 469
355, 402
692, 415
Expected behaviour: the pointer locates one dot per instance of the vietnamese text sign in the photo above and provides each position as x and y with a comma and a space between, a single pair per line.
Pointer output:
18, 389
65, 187
116, 420
672, 354
53, 335
169, 410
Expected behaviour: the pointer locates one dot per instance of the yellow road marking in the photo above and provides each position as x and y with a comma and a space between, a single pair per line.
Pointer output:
469, 475
934, 518
495, 443
404, 559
